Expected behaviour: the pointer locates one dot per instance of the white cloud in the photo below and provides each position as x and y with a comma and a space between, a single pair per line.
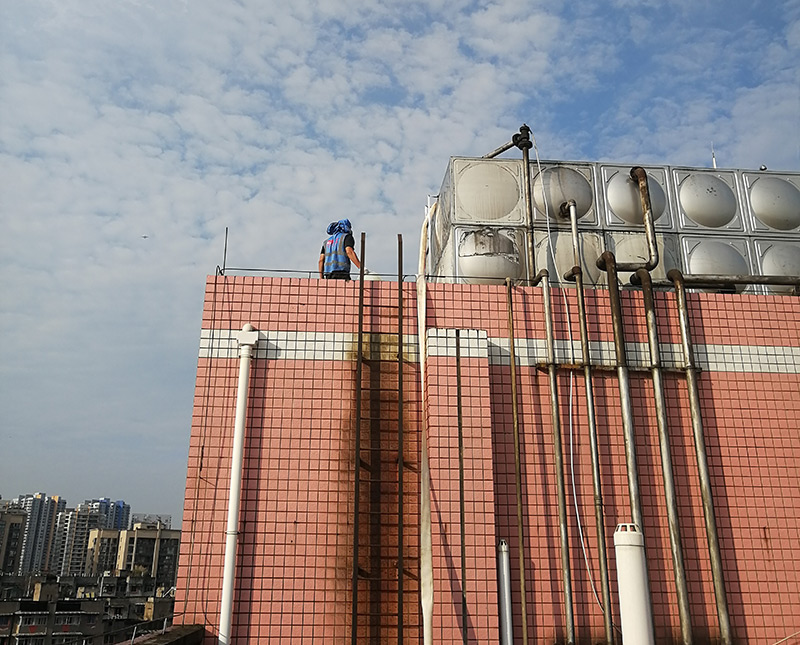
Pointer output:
173, 120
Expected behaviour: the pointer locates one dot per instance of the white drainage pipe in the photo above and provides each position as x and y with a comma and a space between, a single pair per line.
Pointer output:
634, 599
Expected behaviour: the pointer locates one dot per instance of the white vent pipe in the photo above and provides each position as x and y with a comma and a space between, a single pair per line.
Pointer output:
425, 539
634, 598
504, 593
247, 339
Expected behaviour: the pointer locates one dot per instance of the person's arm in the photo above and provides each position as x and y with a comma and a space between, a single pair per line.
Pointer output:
352, 255
321, 264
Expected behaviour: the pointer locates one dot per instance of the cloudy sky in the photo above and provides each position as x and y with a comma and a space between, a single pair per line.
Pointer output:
133, 132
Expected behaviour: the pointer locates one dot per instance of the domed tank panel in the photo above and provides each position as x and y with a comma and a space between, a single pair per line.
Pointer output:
488, 192
624, 198
592, 248
776, 202
781, 259
632, 247
490, 255
712, 257
707, 200
556, 185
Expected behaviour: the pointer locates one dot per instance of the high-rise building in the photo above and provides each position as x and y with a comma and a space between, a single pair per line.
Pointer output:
72, 538
12, 524
37, 537
114, 515
102, 551
150, 548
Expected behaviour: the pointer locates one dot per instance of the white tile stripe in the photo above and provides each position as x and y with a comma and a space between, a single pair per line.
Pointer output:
284, 345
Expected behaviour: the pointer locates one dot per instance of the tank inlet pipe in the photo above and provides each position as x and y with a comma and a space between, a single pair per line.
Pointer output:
517, 462
425, 543
608, 262
558, 457
523, 141
666, 459
576, 274
504, 586
247, 339
639, 175
702, 463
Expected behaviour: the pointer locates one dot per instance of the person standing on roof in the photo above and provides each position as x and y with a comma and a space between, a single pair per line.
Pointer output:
337, 252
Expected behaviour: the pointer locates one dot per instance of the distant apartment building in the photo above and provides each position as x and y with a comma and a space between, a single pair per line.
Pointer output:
39, 530
151, 518
102, 550
150, 549
72, 538
12, 525
114, 514
51, 622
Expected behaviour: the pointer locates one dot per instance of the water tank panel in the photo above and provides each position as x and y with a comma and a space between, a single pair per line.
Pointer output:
711, 257
554, 186
488, 256
707, 200
776, 203
625, 200
781, 259
488, 192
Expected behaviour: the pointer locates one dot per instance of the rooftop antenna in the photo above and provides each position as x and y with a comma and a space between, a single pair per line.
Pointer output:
221, 270
713, 156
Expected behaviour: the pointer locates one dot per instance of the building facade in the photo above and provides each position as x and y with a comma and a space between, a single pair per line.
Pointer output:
39, 533
12, 525
330, 535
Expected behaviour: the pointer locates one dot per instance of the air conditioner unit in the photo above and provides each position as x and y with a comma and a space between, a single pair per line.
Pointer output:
707, 200
622, 202
773, 201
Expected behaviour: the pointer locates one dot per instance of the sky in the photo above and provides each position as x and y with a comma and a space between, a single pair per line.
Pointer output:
134, 132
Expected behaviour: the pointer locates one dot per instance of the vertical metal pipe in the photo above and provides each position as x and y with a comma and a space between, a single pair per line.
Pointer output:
608, 262
666, 458
610, 265
461, 506
559, 461
526, 164
702, 463
247, 339
400, 440
517, 463
357, 496
592, 423
504, 592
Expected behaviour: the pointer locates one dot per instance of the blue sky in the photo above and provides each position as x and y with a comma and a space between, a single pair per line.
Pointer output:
173, 119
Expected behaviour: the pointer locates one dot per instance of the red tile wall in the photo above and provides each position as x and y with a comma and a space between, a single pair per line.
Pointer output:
296, 530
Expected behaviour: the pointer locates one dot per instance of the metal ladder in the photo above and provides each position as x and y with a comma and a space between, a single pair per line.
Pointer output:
380, 568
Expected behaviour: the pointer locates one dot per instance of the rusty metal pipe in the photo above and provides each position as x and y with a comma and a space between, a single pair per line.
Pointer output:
559, 461
517, 462
702, 462
577, 275
608, 262
498, 151
710, 281
610, 265
640, 175
528, 210
666, 457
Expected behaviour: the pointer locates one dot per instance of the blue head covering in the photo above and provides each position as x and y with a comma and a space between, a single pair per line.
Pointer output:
342, 226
